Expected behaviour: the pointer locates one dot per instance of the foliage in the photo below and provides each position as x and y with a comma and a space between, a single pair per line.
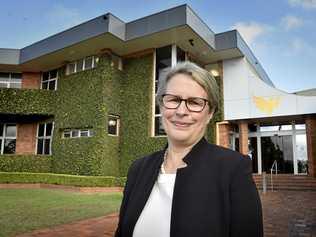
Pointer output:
62, 179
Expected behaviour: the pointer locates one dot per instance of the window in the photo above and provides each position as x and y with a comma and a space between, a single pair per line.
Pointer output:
44, 138
113, 125
165, 57
49, 80
7, 138
75, 133
10, 80
82, 64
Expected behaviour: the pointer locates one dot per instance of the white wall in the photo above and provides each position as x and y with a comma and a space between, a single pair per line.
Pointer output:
247, 96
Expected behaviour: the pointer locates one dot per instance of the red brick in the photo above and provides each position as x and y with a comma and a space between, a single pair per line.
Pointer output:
31, 80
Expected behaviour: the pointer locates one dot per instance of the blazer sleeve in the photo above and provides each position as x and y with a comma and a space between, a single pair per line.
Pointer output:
246, 211
130, 182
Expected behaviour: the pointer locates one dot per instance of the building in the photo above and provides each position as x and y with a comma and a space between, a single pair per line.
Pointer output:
82, 101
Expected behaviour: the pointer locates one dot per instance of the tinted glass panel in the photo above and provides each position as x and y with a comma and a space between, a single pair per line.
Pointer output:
75, 133
88, 62
16, 75
40, 146
52, 85
45, 76
158, 127
71, 68
49, 127
41, 130
4, 75
80, 65
180, 55
45, 85
84, 133
10, 131
15, 85
53, 74
9, 146
1, 130
3, 85
47, 147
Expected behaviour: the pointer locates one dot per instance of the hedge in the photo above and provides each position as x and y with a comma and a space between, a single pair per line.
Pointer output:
62, 179
25, 163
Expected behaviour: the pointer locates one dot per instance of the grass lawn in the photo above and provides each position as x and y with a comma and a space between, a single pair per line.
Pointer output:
24, 210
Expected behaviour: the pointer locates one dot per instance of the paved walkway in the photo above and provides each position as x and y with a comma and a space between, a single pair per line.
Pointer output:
286, 214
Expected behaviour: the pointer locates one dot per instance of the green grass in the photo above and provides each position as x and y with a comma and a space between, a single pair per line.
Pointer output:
24, 210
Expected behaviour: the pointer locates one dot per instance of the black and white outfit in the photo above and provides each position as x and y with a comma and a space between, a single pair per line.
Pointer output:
214, 195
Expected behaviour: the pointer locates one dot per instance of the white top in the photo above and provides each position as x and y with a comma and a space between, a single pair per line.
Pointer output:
154, 221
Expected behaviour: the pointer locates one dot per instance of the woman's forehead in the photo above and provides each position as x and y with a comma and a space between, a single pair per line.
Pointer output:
181, 84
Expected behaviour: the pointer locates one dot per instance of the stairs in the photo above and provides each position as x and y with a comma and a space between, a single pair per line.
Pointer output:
287, 182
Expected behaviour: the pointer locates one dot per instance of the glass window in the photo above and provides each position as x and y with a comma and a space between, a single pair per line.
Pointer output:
80, 65
10, 131
1, 130
113, 125
300, 126
9, 146
10, 80
52, 85
74, 133
71, 68
44, 137
53, 74
180, 55
67, 133
88, 62
84, 133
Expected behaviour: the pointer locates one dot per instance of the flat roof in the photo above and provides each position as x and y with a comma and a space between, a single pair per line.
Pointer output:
178, 25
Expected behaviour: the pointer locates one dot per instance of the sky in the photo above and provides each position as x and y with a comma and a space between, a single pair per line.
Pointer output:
281, 33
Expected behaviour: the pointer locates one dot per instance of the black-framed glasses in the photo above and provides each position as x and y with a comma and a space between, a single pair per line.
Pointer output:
193, 104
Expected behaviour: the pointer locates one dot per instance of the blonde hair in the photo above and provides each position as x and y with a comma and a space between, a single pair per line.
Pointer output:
197, 74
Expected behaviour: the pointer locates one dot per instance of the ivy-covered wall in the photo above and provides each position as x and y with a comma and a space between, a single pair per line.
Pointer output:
136, 112
84, 100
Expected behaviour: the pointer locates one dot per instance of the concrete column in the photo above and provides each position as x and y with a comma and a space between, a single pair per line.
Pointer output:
26, 138
31, 80
311, 144
243, 138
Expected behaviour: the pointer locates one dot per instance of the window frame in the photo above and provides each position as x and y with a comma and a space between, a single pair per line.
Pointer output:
88, 130
117, 130
94, 62
3, 137
9, 81
55, 79
44, 138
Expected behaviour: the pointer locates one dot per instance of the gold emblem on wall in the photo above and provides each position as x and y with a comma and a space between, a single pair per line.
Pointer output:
266, 105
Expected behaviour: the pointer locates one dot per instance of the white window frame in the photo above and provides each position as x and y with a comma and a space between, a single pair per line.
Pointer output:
95, 60
3, 136
117, 118
50, 79
9, 81
173, 63
44, 137
90, 133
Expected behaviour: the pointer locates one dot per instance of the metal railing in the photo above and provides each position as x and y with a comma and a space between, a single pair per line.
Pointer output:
273, 167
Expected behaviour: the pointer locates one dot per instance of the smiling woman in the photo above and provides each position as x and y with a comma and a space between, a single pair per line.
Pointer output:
190, 188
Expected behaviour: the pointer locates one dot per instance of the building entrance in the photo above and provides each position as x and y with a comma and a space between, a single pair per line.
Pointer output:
285, 144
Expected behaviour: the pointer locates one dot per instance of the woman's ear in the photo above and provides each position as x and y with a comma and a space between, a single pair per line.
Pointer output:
210, 116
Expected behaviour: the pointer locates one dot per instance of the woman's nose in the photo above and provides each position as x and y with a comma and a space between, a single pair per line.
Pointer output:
182, 109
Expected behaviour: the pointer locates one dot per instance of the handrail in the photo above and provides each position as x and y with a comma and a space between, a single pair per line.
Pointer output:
275, 164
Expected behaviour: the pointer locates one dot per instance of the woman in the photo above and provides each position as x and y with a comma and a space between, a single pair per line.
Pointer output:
190, 188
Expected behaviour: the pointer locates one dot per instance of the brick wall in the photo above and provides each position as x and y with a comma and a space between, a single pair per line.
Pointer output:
223, 134
311, 144
26, 138
31, 80
243, 138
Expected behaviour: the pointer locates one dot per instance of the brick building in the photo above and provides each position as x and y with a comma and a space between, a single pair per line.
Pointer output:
82, 101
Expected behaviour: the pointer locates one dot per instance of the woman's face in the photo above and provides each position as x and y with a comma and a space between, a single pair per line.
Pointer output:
182, 126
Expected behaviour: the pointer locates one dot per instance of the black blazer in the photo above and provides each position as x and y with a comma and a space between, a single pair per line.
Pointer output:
213, 196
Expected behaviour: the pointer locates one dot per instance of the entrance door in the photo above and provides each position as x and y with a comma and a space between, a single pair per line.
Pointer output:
279, 148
